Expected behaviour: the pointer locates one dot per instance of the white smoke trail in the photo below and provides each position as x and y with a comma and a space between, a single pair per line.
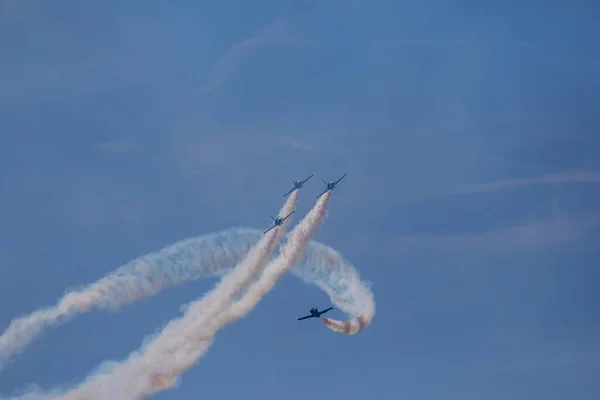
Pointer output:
141, 278
178, 347
285, 261
183, 341
290, 255
200, 335
319, 265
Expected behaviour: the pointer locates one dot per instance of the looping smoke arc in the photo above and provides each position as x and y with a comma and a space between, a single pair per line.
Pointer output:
248, 263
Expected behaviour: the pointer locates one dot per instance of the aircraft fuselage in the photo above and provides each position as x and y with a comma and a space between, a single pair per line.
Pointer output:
315, 313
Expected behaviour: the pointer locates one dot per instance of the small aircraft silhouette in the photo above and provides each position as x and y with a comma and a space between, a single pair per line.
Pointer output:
331, 185
315, 313
278, 221
298, 184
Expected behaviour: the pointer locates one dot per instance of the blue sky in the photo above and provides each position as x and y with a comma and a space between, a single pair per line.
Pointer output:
468, 132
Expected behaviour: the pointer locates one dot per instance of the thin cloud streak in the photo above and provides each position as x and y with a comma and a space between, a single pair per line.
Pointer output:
230, 151
227, 64
504, 184
530, 236
556, 362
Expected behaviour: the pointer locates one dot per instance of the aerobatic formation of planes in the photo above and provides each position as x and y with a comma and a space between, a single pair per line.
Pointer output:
298, 183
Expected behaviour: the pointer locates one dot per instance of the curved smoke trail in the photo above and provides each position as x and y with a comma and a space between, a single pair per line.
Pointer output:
210, 255
146, 276
159, 364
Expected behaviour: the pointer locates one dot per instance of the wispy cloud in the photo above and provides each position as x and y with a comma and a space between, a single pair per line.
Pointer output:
528, 236
275, 32
578, 66
116, 146
530, 350
556, 361
228, 63
230, 151
417, 42
504, 184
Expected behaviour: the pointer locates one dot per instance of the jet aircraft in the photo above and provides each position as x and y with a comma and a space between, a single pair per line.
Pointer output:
331, 185
278, 221
298, 184
315, 313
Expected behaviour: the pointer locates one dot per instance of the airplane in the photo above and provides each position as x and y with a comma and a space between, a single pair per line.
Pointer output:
278, 221
331, 185
315, 313
298, 184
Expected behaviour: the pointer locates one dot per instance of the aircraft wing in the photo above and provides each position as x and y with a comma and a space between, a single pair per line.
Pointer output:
304, 181
324, 311
285, 195
338, 181
323, 193
271, 227
307, 317
288, 215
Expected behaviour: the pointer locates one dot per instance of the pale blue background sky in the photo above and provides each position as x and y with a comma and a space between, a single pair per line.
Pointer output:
126, 126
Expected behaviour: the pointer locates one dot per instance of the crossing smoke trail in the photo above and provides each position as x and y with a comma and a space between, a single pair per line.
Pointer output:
289, 255
141, 278
178, 347
318, 265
